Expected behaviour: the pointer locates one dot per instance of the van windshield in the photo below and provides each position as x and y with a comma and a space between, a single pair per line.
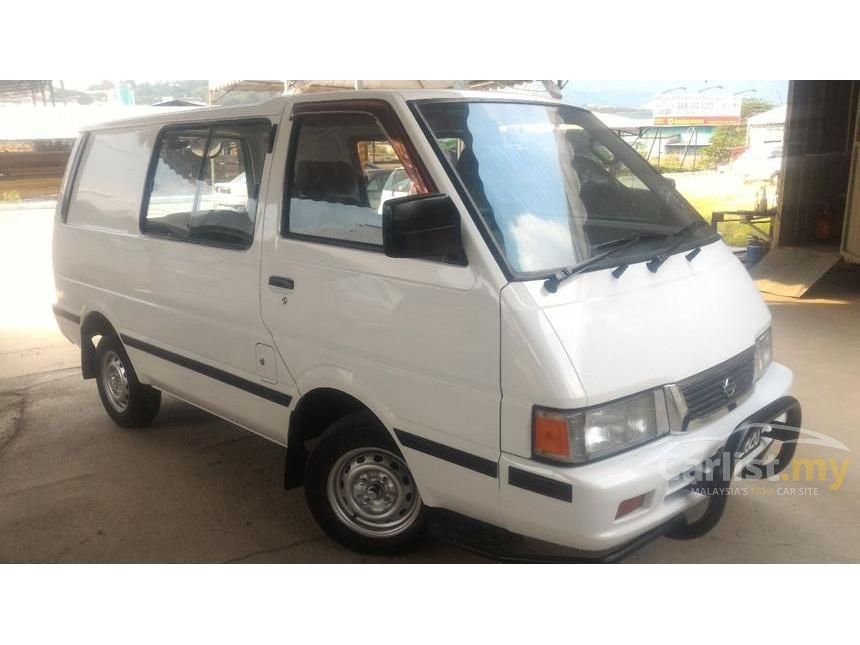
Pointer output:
553, 185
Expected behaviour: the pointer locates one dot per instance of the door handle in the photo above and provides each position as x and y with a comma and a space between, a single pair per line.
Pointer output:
281, 282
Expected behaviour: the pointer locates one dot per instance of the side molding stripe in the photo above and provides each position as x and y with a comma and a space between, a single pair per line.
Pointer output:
447, 453
67, 314
212, 372
540, 484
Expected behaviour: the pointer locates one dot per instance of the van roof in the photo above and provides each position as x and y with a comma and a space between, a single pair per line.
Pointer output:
274, 107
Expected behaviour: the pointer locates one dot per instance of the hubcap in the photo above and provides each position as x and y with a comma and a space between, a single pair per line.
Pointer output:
372, 492
115, 381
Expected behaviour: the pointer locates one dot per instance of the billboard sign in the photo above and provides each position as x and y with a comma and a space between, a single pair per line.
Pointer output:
697, 109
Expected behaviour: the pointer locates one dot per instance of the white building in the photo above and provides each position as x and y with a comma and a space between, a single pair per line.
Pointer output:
766, 128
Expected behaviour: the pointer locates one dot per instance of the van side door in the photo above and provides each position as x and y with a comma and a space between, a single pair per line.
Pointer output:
197, 324
416, 341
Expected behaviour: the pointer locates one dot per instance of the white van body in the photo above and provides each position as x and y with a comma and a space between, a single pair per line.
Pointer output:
454, 359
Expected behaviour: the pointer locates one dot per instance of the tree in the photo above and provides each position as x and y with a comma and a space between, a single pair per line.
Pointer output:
726, 137
751, 107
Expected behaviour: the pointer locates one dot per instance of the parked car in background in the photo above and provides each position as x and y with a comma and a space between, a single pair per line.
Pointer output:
376, 178
760, 163
398, 184
233, 192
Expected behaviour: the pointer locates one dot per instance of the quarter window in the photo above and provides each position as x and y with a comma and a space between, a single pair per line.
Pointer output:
343, 170
206, 183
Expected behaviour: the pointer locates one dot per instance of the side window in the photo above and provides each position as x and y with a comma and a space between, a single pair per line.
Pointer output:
205, 185
174, 185
343, 168
378, 160
106, 191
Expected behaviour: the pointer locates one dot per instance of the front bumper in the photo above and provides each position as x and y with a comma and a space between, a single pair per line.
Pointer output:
576, 506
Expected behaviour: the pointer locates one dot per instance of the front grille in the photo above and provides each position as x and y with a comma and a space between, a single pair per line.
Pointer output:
707, 392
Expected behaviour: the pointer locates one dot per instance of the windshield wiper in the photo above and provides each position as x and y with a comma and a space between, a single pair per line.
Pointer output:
662, 255
552, 282
614, 246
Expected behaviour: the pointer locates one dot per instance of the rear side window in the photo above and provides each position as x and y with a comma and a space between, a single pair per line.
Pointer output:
343, 169
105, 193
205, 184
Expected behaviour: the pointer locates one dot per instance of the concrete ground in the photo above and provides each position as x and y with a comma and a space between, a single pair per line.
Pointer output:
194, 488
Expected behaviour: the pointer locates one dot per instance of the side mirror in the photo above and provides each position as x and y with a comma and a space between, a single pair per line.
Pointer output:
671, 181
422, 226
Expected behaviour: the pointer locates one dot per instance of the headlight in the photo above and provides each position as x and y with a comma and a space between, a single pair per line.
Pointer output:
584, 435
763, 353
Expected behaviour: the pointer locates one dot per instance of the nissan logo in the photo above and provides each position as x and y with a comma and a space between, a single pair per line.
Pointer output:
729, 387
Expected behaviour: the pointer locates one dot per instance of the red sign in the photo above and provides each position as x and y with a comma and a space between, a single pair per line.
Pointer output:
697, 120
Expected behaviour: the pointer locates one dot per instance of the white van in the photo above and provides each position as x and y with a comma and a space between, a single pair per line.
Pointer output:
545, 337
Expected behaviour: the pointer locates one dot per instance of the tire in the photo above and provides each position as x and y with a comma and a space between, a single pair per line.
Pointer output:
360, 490
130, 403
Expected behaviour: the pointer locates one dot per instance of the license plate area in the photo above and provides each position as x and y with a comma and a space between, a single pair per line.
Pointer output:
749, 442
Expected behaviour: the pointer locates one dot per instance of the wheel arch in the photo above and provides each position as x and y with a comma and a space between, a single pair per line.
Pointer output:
95, 323
315, 411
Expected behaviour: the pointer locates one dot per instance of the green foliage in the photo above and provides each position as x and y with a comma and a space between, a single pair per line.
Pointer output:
751, 107
672, 163
733, 136
724, 139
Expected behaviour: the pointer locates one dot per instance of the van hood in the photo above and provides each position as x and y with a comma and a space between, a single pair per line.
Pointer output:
627, 334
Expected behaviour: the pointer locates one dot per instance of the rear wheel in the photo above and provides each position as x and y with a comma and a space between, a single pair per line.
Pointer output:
129, 402
360, 490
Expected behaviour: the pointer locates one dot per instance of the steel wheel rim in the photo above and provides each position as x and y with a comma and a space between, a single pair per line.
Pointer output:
115, 381
373, 493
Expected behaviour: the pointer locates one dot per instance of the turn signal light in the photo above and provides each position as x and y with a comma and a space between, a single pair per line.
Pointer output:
629, 505
551, 436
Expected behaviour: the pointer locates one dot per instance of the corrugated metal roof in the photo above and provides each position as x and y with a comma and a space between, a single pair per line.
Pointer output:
771, 117
28, 122
218, 88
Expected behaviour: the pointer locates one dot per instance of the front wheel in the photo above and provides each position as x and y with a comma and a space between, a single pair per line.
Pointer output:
360, 490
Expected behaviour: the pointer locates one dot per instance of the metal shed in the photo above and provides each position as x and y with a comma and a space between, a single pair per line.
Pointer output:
821, 168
